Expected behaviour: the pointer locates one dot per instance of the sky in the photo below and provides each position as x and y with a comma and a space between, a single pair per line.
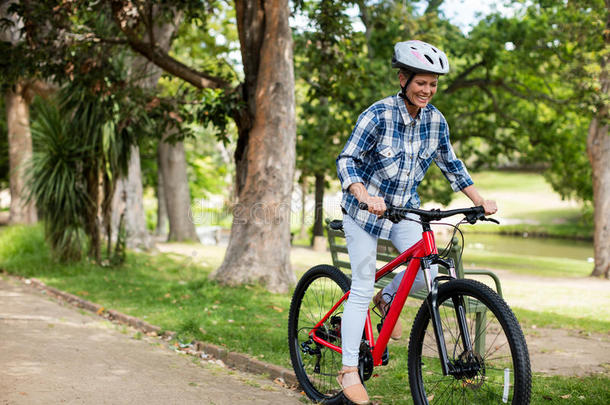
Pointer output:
465, 13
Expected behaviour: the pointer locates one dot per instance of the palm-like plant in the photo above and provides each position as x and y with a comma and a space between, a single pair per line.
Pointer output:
82, 140
56, 182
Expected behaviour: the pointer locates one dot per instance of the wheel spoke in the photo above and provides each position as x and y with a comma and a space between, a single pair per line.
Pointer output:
316, 365
478, 376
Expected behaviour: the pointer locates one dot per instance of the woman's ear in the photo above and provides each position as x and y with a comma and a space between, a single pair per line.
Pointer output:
402, 79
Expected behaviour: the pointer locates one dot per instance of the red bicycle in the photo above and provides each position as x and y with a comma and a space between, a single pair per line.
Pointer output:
466, 345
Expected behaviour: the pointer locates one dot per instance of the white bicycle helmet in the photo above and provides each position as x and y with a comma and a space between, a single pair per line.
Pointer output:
420, 57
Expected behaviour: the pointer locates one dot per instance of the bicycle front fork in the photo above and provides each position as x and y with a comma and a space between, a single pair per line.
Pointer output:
458, 304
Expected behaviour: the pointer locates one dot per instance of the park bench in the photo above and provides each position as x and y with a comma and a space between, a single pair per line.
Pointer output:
386, 252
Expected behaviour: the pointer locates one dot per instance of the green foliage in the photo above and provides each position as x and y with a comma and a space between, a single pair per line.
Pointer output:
528, 86
208, 44
85, 134
23, 247
55, 182
326, 64
208, 169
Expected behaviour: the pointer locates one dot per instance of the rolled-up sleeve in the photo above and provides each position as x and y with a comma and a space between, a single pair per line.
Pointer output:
453, 168
361, 140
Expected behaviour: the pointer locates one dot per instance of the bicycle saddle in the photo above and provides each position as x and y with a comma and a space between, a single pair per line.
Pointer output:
336, 224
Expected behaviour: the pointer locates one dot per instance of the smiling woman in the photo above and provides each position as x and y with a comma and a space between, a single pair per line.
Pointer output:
383, 162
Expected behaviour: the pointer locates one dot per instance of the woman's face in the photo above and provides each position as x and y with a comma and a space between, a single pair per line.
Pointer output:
421, 89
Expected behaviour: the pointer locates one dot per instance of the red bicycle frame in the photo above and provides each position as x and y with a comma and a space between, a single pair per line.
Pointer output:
425, 247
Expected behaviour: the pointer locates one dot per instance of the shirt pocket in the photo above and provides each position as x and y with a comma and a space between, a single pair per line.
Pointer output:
388, 161
424, 158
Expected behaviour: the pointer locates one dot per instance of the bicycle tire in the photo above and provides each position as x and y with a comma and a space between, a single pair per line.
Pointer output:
501, 372
316, 366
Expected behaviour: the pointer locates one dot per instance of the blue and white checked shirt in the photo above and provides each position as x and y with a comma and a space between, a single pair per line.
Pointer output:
389, 152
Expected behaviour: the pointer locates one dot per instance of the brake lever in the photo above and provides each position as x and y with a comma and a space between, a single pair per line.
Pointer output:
473, 218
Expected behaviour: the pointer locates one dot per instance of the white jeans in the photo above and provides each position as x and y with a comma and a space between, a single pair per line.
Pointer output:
362, 249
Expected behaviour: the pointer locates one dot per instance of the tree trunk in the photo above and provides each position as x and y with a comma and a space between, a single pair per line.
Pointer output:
303, 230
318, 226
598, 149
259, 246
318, 240
599, 156
20, 151
92, 223
177, 193
161, 229
128, 201
128, 196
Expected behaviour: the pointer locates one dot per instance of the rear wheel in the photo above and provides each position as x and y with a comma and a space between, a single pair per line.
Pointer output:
316, 366
496, 370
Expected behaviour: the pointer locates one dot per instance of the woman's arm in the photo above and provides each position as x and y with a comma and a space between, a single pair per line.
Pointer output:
489, 206
361, 140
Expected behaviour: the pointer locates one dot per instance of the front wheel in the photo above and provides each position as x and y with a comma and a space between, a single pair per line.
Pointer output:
315, 365
495, 371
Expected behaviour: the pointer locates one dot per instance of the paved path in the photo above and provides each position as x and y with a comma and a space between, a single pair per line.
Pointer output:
55, 354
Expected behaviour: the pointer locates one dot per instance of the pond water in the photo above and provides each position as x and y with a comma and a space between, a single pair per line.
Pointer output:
548, 247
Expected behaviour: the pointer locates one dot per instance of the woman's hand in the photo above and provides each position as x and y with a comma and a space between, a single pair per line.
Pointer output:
490, 207
376, 204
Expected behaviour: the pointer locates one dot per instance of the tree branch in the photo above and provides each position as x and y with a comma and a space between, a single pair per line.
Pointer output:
164, 61
500, 111
160, 57
484, 83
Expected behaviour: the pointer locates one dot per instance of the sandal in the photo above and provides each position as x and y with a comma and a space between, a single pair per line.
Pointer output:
384, 308
354, 392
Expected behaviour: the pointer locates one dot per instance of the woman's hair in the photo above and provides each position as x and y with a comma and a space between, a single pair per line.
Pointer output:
406, 73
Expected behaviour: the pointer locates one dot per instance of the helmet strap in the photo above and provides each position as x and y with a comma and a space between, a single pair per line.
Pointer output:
403, 92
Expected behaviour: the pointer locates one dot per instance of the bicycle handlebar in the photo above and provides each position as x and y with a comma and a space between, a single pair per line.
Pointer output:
395, 214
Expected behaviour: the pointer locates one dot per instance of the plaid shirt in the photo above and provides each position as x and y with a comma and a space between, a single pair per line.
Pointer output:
389, 152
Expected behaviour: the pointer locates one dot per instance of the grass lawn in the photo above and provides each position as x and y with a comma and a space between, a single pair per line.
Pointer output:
175, 293
528, 204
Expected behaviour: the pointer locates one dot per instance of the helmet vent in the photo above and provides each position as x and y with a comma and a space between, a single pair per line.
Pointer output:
434, 50
441, 62
429, 59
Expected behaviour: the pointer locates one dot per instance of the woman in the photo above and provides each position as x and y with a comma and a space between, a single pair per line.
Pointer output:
384, 160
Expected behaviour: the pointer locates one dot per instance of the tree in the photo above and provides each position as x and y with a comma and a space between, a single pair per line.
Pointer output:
171, 160
18, 94
17, 102
77, 157
263, 110
598, 149
537, 87
327, 63
259, 246
172, 163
